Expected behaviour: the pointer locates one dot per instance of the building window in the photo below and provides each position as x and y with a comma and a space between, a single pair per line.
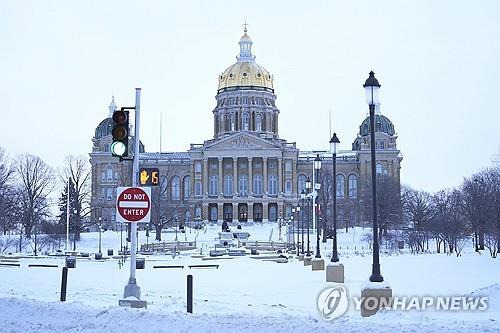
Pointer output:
176, 184
243, 188
197, 188
103, 176
187, 187
301, 183
381, 170
116, 176
273, 185
288, 166
382, 145
353, 186
197, 167
104, 192
213, 185
109, 174
257, 185
340, 186
288, 187
228, 185
197, 212
245, 121
258, 122
109, 193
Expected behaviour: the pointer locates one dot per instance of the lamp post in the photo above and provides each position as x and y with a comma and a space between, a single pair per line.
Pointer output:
291, 223
297, 209
334, 141
100, 230
317, 167
308, 189
74, 233
372, 87
176, 227
302, 198
33, 221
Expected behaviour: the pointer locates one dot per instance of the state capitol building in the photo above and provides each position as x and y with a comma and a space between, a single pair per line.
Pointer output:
245, 172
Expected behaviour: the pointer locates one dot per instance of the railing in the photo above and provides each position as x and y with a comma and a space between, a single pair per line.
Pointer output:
168, 246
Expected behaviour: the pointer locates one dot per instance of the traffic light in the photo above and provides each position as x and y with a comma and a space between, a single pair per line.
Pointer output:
119, 147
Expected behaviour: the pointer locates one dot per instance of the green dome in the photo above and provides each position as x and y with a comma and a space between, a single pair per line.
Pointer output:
382, 124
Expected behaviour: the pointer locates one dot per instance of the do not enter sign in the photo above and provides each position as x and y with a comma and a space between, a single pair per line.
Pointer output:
133, 204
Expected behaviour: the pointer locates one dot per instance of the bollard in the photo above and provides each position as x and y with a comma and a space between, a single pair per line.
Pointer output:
64, 283
190, 293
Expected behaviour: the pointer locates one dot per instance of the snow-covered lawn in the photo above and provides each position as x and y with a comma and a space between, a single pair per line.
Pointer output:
243, 295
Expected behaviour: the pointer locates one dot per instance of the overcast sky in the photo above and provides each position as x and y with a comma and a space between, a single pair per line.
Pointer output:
437, 61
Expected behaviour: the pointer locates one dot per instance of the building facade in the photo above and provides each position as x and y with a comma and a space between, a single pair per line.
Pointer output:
246, 172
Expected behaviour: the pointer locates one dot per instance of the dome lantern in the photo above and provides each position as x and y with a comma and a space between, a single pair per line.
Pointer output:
245, 47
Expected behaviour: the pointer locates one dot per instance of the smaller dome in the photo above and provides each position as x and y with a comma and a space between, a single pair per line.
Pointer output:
382, 124
104, 128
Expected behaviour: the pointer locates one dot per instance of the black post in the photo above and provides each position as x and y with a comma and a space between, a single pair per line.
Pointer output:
335, 256
99, 239
308, 222
298, 234
376, 276
302, 222
64, 283
190, 293
318, 249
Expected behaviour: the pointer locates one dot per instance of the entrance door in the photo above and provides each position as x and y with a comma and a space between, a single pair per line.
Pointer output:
228, 212
213, 214
242, 213
257, 212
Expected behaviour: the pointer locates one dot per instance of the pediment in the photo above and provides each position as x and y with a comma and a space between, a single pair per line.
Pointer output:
241, 141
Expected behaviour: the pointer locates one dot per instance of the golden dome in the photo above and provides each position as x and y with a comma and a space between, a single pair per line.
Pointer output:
245, 72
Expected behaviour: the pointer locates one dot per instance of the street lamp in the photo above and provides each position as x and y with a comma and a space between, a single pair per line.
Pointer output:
372, 87
74, 234
100, 230
317, 167
176, 227
33, 222
308, 189
291, 222
334, 142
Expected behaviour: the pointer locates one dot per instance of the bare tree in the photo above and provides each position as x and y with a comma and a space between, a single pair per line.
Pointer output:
77, 171
7, 194
166, 210
418, 213
35, 183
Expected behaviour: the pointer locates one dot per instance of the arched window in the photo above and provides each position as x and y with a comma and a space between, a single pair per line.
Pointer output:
257, 185
382, 145
188, 216
301, 183
380, 168
109, 174
288, 187
258, 122
273, 185
213, 185
187, 187
353, 186
340, 186
246, 121
228, 185
197, 188
243, 188
176, 184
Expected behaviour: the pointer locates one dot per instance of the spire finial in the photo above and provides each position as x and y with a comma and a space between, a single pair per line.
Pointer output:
245, 30
112, 106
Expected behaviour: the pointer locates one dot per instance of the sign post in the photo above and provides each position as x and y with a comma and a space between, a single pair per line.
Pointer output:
138, 210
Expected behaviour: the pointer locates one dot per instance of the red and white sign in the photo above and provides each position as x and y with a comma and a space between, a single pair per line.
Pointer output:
133, 204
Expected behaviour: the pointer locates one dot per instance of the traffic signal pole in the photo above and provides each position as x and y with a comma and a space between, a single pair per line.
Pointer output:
132, 288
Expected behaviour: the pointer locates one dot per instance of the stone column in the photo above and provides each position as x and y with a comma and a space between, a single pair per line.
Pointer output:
295, 189
220, 212
235, 175
220, 188
250, 212
280, 178
264, 176
235, 212
250, 179
205, 178
265, 211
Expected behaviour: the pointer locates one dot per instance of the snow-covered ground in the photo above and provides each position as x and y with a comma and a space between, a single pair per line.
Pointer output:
244, 294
